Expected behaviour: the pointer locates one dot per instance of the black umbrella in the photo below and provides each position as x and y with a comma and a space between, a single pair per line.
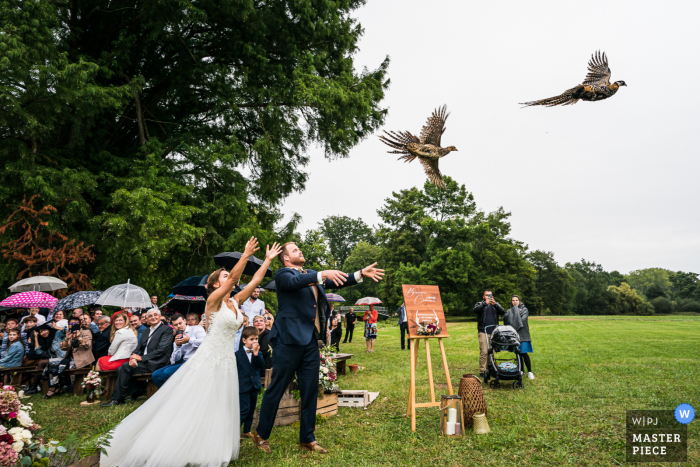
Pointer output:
195, 286
270, 286
184, 304
77, 300
228, 260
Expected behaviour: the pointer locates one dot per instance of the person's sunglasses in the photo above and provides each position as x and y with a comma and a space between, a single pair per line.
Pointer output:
268, 318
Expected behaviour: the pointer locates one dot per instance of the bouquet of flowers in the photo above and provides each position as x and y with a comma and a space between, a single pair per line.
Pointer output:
93, 382
19, 443
328, 375
428, 329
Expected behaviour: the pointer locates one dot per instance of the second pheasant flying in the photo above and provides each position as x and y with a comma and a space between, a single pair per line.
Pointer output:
426, 148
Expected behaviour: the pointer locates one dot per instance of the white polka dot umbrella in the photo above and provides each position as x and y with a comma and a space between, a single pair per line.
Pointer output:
29, 300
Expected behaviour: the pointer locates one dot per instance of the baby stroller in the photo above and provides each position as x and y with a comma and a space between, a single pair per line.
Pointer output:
503, 339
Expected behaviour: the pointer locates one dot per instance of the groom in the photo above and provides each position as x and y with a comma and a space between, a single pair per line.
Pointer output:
299, 325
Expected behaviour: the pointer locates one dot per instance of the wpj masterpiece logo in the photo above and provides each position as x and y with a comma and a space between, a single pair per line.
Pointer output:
656, 436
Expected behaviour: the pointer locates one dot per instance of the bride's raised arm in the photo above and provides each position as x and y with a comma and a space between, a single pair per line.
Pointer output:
225, 287
270, 254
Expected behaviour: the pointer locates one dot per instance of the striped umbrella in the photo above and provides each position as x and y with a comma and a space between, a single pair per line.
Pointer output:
31, 299
334, 297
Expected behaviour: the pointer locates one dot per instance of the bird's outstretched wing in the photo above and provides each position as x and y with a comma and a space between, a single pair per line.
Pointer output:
432, 171
399, 140
434, 127
566, 98
598, 70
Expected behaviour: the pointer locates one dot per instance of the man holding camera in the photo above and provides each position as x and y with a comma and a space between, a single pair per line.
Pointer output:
487, 313
79, 342
187, 341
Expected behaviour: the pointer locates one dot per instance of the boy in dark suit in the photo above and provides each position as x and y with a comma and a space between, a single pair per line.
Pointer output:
251, 366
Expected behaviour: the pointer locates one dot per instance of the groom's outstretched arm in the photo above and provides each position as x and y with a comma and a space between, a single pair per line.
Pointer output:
338, 280
285, 279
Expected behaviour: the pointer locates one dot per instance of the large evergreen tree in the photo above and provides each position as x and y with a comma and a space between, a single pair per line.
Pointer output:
165, 132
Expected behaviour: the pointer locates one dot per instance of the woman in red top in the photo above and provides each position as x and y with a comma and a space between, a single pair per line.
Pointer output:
370, 319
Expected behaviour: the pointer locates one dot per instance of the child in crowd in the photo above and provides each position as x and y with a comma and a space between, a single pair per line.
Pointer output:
251, 365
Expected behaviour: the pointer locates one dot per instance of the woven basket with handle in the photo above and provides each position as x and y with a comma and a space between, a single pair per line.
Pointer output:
472, 398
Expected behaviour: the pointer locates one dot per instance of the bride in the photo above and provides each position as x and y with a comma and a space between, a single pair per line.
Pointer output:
194, 419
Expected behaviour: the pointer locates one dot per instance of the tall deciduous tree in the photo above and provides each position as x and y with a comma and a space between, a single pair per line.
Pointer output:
166, 132
591, 282
553, 285
343, 233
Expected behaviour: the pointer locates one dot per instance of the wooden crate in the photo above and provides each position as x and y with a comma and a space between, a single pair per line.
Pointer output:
327, 406
353, 399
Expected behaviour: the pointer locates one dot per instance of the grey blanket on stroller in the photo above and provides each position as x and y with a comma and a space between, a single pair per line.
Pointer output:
505, 338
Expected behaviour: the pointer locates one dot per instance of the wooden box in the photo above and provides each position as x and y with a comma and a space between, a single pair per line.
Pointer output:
353, 399
327, 406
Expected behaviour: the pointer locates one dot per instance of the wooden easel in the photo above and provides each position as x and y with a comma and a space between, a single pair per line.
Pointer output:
412, 405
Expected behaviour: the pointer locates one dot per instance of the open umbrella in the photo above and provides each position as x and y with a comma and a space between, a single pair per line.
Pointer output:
368, 301
334, 297
38, 284
228, 260
29, 300
78, 300
195, 286
185, 304
270, 286
125, 295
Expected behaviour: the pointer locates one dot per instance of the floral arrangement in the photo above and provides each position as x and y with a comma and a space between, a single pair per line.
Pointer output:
428, 329
19, 440
93, 382
328, 375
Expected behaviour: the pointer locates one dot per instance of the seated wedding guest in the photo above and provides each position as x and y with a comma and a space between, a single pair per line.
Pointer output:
187, 341
15, 353
78, 354
11, 324
152, 353
123, 342
2, 330
29, 325
96, 314
40, 352
263, 340
193, 319
269, 319
251, 367
33, 312
336, 333
58, 321
102, 339
237, 337
78, 313
135, 321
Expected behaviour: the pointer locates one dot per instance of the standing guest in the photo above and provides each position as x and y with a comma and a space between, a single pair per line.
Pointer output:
187, 341
330, 314
237, 337
154, 301
269, 319
102, 339
15, 353
35, 313
96, 314
370, 319
135, 322
517, 317
350, 320
29, 328
40, 352
263, 340
403, 326
294, 338
253, 306
487, 312
336, 333
152, 353
12, 324
193, 319
123, 342
251, 367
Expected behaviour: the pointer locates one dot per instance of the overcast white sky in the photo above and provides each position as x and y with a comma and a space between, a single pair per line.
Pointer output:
615, 182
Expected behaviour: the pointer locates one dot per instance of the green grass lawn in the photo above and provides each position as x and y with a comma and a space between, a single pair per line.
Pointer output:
589, 370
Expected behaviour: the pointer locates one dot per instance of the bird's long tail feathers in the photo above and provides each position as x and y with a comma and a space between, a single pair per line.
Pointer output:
399, 140
567, 98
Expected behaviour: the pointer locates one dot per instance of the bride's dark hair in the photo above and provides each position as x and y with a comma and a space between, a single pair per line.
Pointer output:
213, 279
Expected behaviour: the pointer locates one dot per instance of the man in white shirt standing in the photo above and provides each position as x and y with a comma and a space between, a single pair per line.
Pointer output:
253, 306
187, 341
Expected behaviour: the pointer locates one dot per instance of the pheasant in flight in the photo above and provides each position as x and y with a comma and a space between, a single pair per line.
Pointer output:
595, 87
426, 148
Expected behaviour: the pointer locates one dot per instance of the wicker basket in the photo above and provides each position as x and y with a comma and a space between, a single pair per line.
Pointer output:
472, 398
481, 425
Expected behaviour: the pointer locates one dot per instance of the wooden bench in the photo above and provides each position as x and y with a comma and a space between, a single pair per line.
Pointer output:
341, 360
16, 376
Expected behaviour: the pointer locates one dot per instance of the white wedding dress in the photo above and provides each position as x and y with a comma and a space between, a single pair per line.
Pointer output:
194, 419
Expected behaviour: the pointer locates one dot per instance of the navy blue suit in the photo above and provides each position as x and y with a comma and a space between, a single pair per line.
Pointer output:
249, 373
294, 348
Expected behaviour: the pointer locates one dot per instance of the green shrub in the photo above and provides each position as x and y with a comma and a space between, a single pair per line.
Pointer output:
662, 305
